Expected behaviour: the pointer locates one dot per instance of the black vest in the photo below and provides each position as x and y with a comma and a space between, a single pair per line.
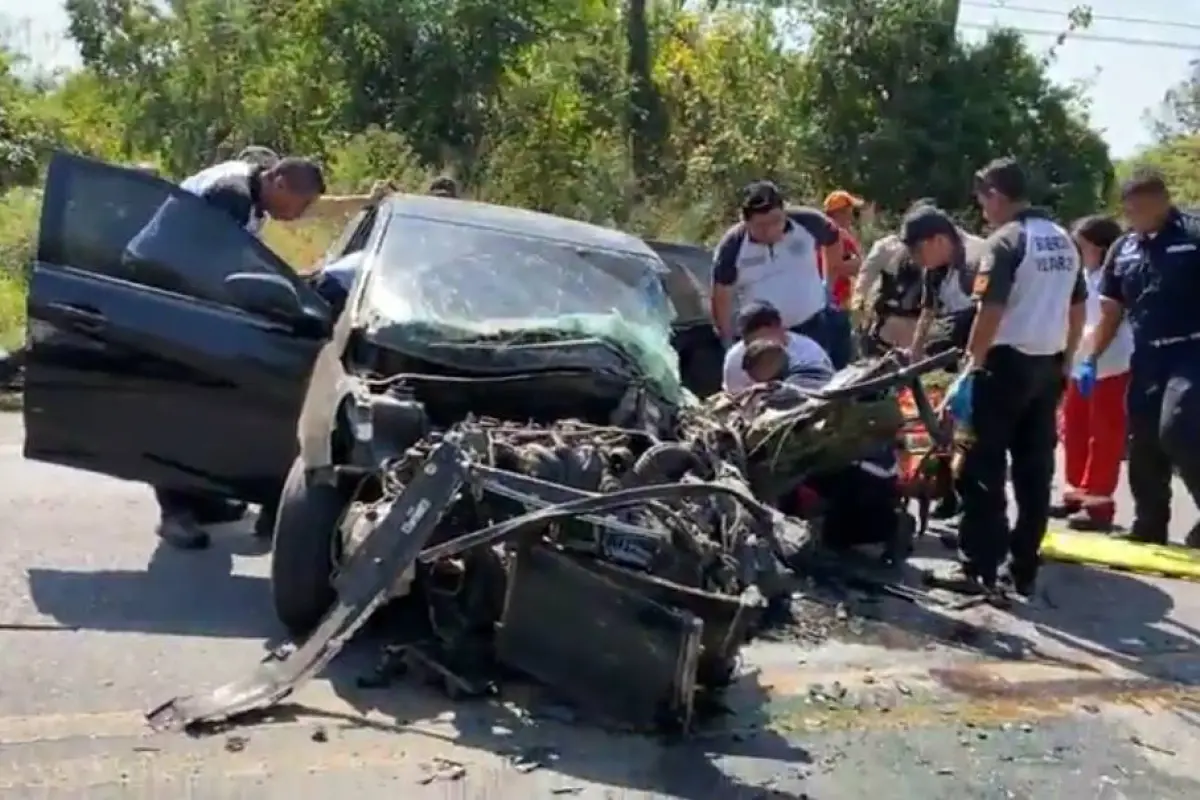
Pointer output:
900, 291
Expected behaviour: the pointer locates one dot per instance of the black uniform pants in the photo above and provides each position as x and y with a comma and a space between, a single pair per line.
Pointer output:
831, 329
1164, 428
1014, 407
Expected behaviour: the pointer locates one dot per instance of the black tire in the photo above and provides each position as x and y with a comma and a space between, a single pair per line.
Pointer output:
302, 560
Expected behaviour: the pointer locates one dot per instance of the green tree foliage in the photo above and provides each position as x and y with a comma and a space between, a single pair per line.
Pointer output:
646, 114
1176, 153
901, 108
1179, 111
24, 134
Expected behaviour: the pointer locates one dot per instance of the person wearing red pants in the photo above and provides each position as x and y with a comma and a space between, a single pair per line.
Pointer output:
1092, 424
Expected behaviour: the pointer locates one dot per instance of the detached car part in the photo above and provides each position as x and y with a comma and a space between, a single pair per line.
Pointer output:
403, 529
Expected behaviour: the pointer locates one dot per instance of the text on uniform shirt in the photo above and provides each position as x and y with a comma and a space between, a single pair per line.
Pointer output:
1054, 254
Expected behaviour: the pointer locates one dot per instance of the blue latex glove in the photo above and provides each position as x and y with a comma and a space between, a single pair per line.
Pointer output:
1085, 377
958, 398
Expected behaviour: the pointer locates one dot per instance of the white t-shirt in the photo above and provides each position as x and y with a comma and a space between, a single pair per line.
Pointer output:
236, 174
803, 354
1115, 360
784, 274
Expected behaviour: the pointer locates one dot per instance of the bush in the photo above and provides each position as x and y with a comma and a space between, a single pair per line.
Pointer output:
18, 230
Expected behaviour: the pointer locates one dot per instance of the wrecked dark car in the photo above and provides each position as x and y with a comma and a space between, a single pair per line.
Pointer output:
465, 310
494, 434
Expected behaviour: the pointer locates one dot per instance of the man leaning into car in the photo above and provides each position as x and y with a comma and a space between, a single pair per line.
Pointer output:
250, 193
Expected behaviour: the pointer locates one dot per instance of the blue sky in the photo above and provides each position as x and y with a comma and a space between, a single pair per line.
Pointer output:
1123, 79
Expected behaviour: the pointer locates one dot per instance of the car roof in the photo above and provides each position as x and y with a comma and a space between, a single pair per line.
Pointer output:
519, 221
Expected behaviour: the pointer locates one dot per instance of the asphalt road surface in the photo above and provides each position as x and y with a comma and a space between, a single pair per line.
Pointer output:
1088, 691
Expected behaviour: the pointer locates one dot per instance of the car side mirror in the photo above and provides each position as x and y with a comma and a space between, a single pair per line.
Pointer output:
264, 293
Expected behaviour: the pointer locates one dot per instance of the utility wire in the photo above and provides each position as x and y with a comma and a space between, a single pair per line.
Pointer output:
1086, 37
1000, 5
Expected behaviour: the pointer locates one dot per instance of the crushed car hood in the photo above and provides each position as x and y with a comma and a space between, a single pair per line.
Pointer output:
531, 344
646, 348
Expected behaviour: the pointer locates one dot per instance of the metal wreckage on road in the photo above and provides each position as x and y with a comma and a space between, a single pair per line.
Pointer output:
624, 569
541, 487
500, 432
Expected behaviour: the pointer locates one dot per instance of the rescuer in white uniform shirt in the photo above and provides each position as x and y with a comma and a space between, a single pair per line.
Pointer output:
771, 256
761, 321
1032, 303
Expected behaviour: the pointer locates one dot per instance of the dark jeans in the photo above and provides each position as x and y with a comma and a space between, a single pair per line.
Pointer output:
832, 329
1013, 414
1164, 437
200, 506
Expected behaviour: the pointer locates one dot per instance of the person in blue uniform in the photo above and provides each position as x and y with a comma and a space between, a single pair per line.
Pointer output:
1151, 276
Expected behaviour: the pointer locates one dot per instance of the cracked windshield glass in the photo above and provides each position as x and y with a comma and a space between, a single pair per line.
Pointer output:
477, 281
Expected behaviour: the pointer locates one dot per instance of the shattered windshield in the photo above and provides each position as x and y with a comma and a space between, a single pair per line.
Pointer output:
448, 282
471, 281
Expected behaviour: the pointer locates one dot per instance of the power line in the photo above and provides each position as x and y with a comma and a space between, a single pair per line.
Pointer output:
1000, 5
1088, 37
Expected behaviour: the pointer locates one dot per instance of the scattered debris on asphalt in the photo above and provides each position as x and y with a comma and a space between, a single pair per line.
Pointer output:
1138, 741
442, 769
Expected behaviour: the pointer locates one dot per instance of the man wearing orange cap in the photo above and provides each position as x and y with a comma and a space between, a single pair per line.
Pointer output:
840, 206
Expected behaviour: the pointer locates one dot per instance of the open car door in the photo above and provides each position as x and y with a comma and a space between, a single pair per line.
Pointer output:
701, 356
166, 344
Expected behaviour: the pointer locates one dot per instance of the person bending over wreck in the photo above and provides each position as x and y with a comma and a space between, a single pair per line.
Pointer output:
327, 206
249, 194
760, 321
765, 361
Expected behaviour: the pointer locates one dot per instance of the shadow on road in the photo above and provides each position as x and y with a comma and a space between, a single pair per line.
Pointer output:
1112, 615
1118, 617
182, 593
529, 730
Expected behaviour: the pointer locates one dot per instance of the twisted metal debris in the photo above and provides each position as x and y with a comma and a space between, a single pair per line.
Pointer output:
622, 569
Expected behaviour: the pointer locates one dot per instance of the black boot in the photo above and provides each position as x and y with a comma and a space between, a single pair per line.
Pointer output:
217, 510
264, 526
1147, 534
1193, 537
1022, 580
1065, 509
182, 531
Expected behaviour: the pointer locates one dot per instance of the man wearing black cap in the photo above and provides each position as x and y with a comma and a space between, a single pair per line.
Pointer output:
1152, 275
913, 295
1031, 298
936, 245
771, 256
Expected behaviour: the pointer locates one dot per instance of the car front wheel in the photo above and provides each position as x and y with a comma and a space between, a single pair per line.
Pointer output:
302, 559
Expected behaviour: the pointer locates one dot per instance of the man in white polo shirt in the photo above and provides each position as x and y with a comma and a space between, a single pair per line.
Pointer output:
761, 321
1031, 297
771, 256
